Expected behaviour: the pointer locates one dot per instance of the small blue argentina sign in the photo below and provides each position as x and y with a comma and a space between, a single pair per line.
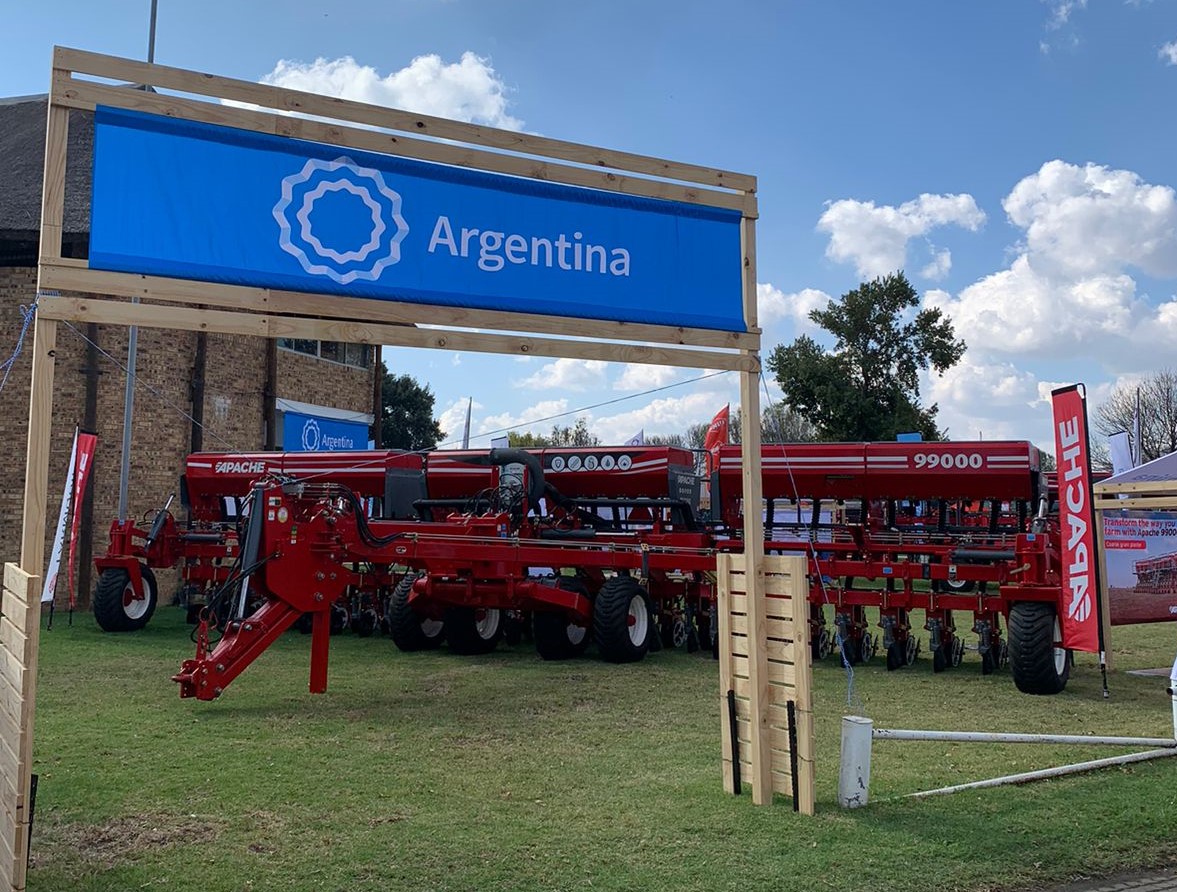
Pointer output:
198, 201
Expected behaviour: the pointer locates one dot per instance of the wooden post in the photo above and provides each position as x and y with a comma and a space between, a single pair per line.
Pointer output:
754, 536
32, 548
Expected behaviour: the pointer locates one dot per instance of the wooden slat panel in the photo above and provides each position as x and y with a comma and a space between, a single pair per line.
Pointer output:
783, 676
14, 672
7, 865
283, 99
781, 673
73, 275
12, 701
278, 326
13, 769
780, 629
86, 94
16, 641
19, 583
22, 619
776, 608
778, 651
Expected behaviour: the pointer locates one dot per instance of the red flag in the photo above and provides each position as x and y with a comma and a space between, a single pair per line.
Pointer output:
717, 431
84, 462
1079, 616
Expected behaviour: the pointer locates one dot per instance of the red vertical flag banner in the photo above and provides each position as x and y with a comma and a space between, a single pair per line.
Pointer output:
1080, 608
83, 464
717, 431
716, 436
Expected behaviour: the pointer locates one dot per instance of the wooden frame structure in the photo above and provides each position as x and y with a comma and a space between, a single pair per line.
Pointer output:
83, 80
769, 678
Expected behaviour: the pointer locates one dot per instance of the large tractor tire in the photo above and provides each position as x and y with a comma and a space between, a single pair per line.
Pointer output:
115, 606
1036, 663
622, 620
473, 630
555, 637
409, 630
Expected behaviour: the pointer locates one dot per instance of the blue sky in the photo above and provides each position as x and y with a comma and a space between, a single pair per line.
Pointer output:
1015, 157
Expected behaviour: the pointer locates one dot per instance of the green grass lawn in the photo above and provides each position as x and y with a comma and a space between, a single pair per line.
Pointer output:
430, 771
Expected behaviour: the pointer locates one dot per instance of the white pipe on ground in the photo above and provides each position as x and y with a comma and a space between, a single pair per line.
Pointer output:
998, 737
1048, 773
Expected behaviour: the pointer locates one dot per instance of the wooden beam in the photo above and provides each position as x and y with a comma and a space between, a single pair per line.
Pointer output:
277, 326
87, 95
74, 275
282, 99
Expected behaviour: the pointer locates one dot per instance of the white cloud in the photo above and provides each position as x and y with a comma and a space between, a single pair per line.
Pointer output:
1168, 53
874, 238
528, 419
453, 420
466, 90
645, 377
775, 305
940, 266
668, 415
567, 374
1069, 286
1092, 219
1060, 12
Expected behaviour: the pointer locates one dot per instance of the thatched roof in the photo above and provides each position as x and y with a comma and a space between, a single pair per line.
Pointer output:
22, 154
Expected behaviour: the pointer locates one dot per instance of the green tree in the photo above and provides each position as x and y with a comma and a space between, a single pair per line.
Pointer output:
406, 413
867, 387
576, 435
527, 440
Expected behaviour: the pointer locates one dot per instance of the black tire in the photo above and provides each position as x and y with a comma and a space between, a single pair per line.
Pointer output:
410, 631
940, 658
989, 662
618, 640
955, 652
115, 606
340, 618
896, 656
555, 637
305, 623
473, 630
365, 622
1038, 667
959, 586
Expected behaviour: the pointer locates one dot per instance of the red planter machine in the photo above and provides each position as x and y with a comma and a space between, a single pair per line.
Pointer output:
611, 544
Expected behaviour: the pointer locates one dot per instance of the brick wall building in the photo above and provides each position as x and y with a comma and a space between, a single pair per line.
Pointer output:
232, 389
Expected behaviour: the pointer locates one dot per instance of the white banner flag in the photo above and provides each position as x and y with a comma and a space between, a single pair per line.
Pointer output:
59, 536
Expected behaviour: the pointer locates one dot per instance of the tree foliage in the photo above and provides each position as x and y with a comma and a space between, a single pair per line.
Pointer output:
867, 387
1158, 413
778, 424
576, 435
406, 413
666, 440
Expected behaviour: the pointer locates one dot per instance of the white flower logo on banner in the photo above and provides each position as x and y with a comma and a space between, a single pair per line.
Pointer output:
311, 435
324, 239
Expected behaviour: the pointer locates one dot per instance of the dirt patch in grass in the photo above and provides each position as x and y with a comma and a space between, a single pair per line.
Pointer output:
124, 838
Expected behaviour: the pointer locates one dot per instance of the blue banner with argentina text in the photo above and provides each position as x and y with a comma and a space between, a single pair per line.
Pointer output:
198, 201
308, 433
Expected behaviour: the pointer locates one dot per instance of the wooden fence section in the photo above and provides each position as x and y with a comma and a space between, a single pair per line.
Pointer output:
19, 630
765, 673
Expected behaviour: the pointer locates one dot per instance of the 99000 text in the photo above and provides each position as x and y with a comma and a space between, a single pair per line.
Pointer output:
948, 460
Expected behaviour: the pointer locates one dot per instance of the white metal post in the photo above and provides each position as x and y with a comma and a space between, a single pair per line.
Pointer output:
854, 777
